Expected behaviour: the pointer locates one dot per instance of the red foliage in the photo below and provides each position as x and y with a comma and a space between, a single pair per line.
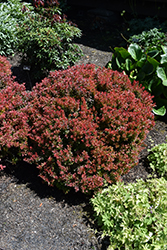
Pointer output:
5, 72
5, 66
87, 126
13, 120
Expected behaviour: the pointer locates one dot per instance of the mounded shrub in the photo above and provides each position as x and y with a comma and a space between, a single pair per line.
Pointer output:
134, 216
87, 126
13, 121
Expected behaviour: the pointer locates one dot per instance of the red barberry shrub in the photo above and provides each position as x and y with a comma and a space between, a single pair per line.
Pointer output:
5, 66
88, 125
5, 72
13, 121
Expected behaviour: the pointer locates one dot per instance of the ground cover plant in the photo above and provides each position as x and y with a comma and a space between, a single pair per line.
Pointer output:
134, 216
158, 159
87, 126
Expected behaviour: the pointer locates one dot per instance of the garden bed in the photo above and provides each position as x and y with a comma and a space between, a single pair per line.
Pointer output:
35, 216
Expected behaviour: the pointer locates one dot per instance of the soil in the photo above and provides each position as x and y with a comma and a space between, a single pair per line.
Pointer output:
35, 216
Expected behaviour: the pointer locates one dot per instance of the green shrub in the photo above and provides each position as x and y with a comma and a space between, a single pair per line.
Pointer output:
148, 67
158, 159
87, 125
134, 216
46, 40
150, 39
11, 15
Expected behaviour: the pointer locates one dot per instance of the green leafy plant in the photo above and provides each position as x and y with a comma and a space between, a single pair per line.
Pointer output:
45, 39
134, 216
158, 159
11, 15
150, 39
148, 67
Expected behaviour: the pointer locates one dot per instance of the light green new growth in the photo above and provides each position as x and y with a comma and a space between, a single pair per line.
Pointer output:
158, 159
134, 216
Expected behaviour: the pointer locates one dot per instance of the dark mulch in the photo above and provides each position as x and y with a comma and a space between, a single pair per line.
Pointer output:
35, 216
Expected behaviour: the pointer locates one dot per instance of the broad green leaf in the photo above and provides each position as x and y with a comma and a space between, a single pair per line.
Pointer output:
153, 61
164, 48
141, 62
161, 111
161, 73
141, 75
164, 82
153, 53
165, 92
135, 51
163, 58
122, 51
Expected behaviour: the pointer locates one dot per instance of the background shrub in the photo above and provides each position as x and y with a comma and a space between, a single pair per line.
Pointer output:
87, 126
11, 15
46, 40
134, 216
152, 38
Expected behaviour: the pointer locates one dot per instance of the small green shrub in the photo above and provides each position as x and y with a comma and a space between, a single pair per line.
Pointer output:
87, 125
148, 67
134, 216
11, 15
46, 40
150, 39
158, 159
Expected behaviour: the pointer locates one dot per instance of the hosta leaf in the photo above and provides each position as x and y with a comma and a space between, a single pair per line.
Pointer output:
161, 73
153, 53
123, 52
163, 58
153, 61
135, 51
148, 68
164, 48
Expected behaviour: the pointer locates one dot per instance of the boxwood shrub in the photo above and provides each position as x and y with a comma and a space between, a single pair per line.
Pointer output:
87, 126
